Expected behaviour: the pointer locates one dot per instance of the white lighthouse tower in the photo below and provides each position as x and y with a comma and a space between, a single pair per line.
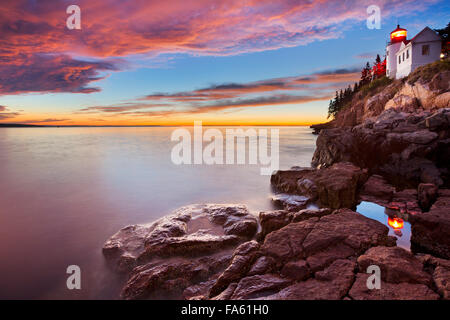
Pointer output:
397, 37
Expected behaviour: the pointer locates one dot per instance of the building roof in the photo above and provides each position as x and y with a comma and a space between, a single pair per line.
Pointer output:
426, 29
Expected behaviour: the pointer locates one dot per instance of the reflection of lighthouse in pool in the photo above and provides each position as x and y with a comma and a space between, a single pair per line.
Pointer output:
397, 224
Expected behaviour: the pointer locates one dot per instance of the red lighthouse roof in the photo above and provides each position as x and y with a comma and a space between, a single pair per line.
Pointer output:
398, 35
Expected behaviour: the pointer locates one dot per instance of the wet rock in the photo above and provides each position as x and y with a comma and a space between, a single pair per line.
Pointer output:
286, 180
262, 265
347, 227
198, 291
310, 213
178, 254
290, 202
170, 278
377, 190
440, 269
199, 229
397, 265
245, 228
123, 248
243, 258
390, 291
403, 276
325, 257
334, 187
258, 286
344, 231
227, 293
333, 146
296, 270
431, 230
427, 195
194, 244
441, 277
338, 185
331, 284
286, 244
274, 220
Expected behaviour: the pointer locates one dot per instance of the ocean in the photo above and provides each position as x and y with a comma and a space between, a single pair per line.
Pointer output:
64, 191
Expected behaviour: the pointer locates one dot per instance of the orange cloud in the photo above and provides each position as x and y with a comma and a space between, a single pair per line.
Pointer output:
38, 53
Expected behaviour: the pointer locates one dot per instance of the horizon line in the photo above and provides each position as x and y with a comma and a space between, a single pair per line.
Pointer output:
25, 125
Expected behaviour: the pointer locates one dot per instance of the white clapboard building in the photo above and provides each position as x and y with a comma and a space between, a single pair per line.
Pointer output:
404, 56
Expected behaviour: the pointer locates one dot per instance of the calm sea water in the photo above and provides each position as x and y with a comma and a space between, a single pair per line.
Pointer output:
64, 191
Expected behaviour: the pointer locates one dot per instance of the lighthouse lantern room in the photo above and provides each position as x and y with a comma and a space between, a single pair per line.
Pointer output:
398, 35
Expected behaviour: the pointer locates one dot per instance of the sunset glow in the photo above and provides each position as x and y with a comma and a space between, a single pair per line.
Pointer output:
172, 62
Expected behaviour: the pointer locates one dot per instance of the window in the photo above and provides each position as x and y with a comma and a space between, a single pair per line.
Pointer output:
399, 59
425, 50
403, 56
407, 54
387, 52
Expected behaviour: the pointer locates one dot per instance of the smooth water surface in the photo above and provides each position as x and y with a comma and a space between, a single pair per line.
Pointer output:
64, 191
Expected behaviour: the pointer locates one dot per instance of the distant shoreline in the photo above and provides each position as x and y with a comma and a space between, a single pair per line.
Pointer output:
13, 125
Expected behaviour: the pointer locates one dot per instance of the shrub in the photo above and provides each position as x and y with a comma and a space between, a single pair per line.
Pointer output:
375, 85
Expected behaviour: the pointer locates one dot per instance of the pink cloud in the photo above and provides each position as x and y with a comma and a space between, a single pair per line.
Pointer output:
34, 37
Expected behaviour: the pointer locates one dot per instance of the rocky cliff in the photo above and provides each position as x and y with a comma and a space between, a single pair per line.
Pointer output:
400, 130
426, 89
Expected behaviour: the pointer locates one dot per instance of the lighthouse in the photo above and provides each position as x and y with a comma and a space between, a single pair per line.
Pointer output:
404, 56
398, 36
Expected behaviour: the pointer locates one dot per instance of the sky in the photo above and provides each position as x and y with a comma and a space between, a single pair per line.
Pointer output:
173, 62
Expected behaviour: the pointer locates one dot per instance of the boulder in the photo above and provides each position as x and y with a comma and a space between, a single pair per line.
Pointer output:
183, 254
430, 231
253, 287
124, 248
397, 265
274, 220
344, 233
262, 265
296, 270
243, 258
390, 291
169, 279
403, 276
334, 187
290, 202
440, 270
332, 283
427, 195
199, 229
377, 190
